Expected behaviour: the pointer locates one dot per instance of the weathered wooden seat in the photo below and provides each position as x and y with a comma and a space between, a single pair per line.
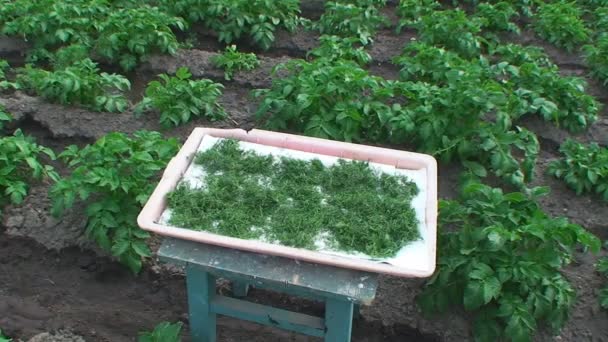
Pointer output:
341, 289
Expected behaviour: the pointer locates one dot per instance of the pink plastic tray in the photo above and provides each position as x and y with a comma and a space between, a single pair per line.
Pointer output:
150, 215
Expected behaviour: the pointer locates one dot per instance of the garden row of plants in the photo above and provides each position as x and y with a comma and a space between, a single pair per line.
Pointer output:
127, 31
460, 93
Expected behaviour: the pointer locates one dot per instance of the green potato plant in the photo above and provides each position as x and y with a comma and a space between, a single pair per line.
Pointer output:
117, 31
410, 11
517, 54
339, 100
335, 99
583, 167
163, 332
452, 122
596, 57
501, 261
50, 23
4, 117
4, 338
69, 55
557, 98
3, 66
529, 82
20, 163
352, 18
464, 109
114, 177
179, 98
561, 24
497, 17
232, 20
82, 83
233, 61
452, 30
602, 267
4, 83
129, 34
596, 16
337, 48
459, 109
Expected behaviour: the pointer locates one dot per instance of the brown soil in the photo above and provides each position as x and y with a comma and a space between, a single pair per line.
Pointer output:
52, 277
99, 300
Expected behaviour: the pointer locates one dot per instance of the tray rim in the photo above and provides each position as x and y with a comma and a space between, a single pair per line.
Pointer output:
156, 204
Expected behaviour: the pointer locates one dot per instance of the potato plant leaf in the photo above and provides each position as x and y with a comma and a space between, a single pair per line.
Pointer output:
114, 176
501, 260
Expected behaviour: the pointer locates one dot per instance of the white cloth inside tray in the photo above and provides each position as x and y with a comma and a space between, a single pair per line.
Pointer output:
414, 255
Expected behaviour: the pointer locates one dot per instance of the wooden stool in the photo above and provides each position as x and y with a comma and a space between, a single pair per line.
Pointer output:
341, 289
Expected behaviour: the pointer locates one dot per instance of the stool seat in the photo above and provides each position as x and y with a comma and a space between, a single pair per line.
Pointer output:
340, 289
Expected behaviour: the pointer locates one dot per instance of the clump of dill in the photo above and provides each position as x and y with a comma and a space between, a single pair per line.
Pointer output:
295, 202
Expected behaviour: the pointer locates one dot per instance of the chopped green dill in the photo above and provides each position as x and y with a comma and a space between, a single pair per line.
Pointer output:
297, 202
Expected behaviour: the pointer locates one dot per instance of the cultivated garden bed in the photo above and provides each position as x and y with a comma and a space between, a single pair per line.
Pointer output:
449, 93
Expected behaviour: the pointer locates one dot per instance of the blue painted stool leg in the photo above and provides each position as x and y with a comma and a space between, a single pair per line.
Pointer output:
201, 290
338, 320
357, 311
239, 289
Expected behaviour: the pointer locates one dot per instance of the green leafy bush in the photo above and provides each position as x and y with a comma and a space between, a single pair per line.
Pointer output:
163, 332
328, 99
67, 56
256, 20
464, 113
118, 31
352, 18
454, 121
531, 81
231, 60
518, 55
19, 163
497, 17
3, 66
337, 48
115, 176
4, 83
524, 8
81, 83
50, 23
583, 167
596, 57
129, 34
501, 260
4, 117
602, 267
557, 98
452, 30
436, 65
340, 100
463, 109
410, 11
179, 98
4, 338
560, 23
